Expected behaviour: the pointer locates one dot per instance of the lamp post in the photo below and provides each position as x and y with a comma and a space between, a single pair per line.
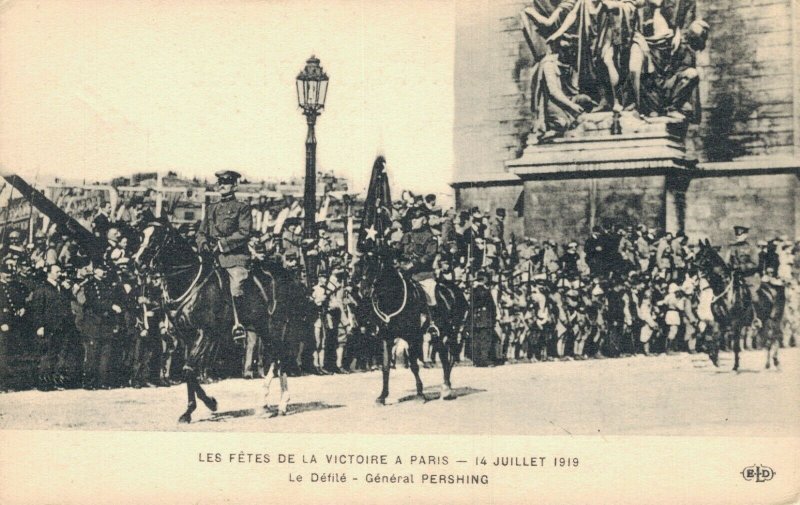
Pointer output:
312, 88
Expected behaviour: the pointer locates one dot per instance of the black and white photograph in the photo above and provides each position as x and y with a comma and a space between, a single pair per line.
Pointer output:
474, 223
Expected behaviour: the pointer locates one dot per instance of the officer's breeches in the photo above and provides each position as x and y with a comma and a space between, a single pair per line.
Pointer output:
237, 277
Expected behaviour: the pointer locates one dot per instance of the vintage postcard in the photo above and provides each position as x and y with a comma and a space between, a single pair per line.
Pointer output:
421, 251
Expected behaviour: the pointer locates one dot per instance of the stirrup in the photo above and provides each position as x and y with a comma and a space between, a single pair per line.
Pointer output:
434, 330
239, 333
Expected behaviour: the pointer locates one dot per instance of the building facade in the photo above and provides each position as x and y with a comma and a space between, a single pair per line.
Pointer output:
739, 165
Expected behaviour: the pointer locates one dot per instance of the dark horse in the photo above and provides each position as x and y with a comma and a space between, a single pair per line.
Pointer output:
734, 308
198, 301
396, 306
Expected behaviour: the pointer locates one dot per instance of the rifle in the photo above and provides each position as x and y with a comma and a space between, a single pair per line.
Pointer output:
471, 302
30, 214
8, 212
92, 245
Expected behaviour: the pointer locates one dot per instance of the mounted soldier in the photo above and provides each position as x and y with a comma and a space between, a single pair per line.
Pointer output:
743, 258
418, 249
225, 232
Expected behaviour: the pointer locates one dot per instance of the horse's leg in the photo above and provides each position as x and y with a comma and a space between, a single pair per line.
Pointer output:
284, 402
385, 371
737, 337
190, 379
777, 346
268, 382
209, 401
775, 337
413, 358
446, 351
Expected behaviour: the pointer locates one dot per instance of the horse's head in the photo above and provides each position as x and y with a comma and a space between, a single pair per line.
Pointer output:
708, 260
155, 240
371, 266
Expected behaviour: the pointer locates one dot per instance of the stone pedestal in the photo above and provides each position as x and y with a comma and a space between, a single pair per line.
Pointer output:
590, 177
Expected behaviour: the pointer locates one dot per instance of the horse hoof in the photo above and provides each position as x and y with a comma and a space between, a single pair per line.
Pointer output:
381, 400
420, 398
185, 419
272, 414
282, 412
449, 396
212, 404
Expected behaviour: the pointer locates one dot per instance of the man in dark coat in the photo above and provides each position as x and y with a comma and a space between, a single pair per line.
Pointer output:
13, 327
101, 305
51, 315
484, 317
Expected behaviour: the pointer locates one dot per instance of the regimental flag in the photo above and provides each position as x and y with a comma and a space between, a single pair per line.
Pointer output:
377, 209
91, 245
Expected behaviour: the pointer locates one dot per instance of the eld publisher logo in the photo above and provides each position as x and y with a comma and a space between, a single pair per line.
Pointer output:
758, 473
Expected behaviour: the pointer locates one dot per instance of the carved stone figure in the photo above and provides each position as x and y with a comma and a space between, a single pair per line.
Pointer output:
610, 55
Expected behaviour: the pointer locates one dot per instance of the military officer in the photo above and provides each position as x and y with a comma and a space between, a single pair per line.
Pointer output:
225, 231
51, 314
418, 248
15, 252
101, 303
483, 319
12, 323
743, 258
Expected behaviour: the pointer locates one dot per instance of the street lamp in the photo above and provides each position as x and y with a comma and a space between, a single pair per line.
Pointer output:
312, 88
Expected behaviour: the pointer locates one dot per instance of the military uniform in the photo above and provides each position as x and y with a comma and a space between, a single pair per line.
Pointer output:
743, 258
101, 304
13, 328
484, 317
418, 248
51, 314
225, 231
148, 339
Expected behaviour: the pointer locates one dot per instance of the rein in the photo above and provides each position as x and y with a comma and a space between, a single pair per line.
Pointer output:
386, 318
191, 287
724, 291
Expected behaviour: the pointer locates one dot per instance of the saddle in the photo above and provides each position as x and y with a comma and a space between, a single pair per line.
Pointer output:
258, 283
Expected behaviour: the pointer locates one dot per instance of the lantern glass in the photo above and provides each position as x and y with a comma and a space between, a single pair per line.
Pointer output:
312, 86
301, 93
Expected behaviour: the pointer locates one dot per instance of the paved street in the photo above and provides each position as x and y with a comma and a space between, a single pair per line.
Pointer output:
664, 395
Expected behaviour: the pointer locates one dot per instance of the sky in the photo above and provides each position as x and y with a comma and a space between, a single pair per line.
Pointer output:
101, 88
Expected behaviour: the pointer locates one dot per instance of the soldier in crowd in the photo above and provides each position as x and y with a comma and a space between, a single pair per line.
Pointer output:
13, 327
101, 305
102, 220
483, 320
51, 312
225, 231
542, 300
147, 340
15, 250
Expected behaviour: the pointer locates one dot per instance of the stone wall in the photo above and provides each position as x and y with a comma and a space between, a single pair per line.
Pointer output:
766, 203
748, 87
490, 198
565, 209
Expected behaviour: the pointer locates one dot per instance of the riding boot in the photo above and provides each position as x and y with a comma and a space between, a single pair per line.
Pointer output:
238, 331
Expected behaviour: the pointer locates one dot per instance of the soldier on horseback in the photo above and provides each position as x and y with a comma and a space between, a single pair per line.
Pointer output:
225, 231
418, 249
743, 259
